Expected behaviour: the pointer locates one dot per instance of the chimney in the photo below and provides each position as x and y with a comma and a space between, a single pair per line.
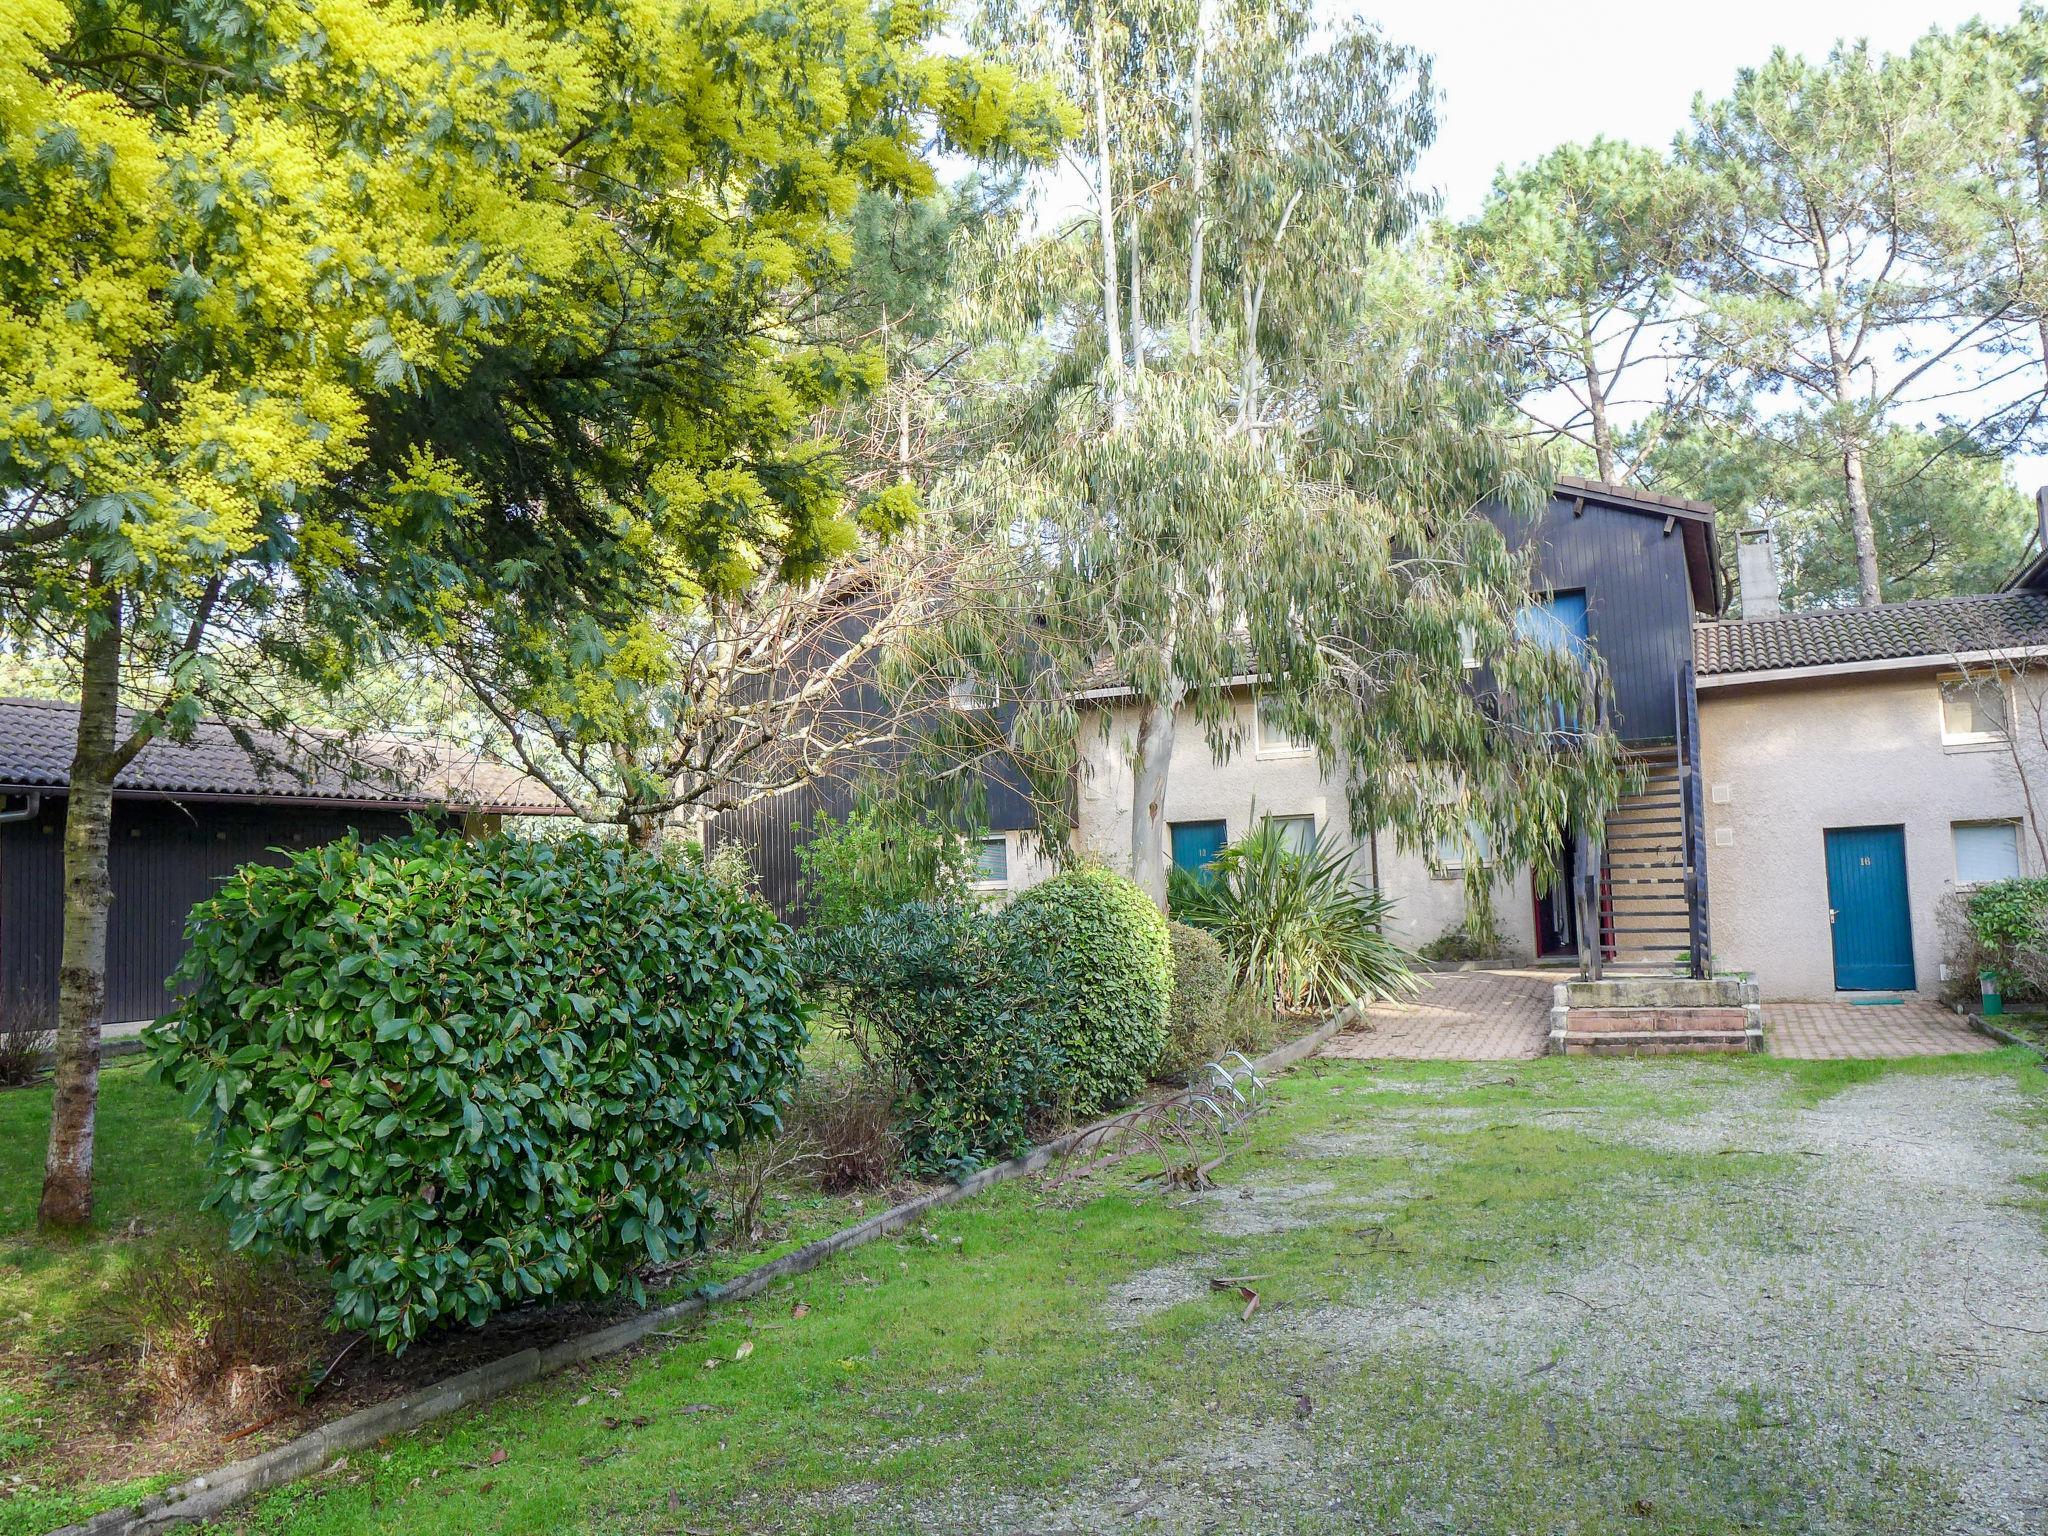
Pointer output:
1756, 568
2041, 519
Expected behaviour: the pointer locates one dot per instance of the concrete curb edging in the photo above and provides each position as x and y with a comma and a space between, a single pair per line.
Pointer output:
1998, 1032
211, 1493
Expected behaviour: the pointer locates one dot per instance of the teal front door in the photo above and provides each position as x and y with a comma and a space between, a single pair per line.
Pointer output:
1872, 925
1196, 843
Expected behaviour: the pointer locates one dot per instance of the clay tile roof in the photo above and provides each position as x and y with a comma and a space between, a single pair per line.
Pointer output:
38, 738
1932, 627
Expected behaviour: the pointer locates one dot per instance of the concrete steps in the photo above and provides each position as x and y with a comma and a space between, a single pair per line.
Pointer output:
1655, 1016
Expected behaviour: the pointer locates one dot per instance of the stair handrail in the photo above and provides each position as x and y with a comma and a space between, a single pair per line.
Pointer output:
1693, 814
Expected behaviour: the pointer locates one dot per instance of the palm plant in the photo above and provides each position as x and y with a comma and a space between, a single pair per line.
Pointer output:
1296, 925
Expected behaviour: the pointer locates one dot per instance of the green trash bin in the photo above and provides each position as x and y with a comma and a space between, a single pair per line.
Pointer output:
1994, 1000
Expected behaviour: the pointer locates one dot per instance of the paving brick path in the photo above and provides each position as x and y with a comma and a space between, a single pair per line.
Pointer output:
1458, 1016
1913, 1027
1505, 1016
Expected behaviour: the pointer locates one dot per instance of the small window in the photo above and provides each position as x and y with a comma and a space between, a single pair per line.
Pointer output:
992, 861
1275, 739
1986, 851
968, 695
1972, 709
1468, 647
1455, 850
1297, 833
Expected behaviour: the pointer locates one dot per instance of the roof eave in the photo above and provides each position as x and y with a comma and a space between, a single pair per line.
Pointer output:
1924, 661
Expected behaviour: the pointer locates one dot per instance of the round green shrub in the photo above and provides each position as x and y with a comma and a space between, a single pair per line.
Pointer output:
464, 1074
1198, 1022
1112, 971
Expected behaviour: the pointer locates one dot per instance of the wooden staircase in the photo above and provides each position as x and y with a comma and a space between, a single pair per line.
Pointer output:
1642, 884
1645, 918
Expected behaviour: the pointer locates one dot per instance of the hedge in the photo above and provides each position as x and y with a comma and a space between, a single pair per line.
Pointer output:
463, 1074
1198, 1022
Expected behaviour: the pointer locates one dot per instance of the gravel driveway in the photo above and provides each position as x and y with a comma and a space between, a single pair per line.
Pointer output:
1847, 1332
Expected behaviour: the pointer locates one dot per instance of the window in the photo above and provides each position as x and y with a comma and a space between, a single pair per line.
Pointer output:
1275, 739
968, 695
1455, 850
1972, 709
1297, 833
992, 861
1986, 850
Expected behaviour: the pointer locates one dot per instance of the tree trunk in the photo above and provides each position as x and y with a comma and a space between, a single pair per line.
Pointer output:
88, 893
1156, 722
1870, 593
643, 829
1596, 405
1137, 302
1855, 490
1112, 331
1198, 156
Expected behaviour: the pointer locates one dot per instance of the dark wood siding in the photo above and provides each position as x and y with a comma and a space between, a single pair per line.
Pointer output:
771, 831
165, 857
1639, 604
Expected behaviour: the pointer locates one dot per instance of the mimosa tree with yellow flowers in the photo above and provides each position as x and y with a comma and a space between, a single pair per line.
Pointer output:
327, 320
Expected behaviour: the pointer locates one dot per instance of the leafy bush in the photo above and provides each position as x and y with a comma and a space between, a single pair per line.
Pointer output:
1297, 927
952, 1002
1112, 966
874, 863
1466, 941
467, 1074
28, 1030
1198, 1024
2009, 921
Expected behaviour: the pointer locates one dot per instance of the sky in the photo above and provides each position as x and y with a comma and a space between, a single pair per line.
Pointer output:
1518, 78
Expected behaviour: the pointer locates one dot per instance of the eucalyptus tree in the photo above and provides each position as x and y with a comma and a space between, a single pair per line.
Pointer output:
1838, 252
1575, 255
1288, 490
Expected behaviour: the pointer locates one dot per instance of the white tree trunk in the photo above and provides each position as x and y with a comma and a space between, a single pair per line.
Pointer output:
1149, 771
1105, 203
1198, 175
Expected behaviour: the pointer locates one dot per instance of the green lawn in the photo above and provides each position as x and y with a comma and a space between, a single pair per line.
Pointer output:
75, 1434
1668, 1296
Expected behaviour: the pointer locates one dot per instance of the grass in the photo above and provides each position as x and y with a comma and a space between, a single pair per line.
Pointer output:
972, 1373
78, 1430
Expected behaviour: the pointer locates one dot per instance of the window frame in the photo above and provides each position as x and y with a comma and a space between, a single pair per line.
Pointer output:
1947, 681
1262, 747
2011, 826
982, 880
1315, 832
1445, 869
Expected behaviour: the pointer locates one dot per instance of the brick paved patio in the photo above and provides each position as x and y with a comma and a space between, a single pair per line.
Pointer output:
1458, 1016
1505, 1016
1913, 1027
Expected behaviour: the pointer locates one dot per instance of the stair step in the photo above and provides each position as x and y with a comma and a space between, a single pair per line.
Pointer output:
1655, 1043
1610, 1021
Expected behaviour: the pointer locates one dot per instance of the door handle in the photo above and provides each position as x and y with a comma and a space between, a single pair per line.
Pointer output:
1831, 917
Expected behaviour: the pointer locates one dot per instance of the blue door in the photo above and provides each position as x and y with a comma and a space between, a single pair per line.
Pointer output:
1196, 843
1873, 929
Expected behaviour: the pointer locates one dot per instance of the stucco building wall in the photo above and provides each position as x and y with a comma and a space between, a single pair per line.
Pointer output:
1783, 762
1260, 780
